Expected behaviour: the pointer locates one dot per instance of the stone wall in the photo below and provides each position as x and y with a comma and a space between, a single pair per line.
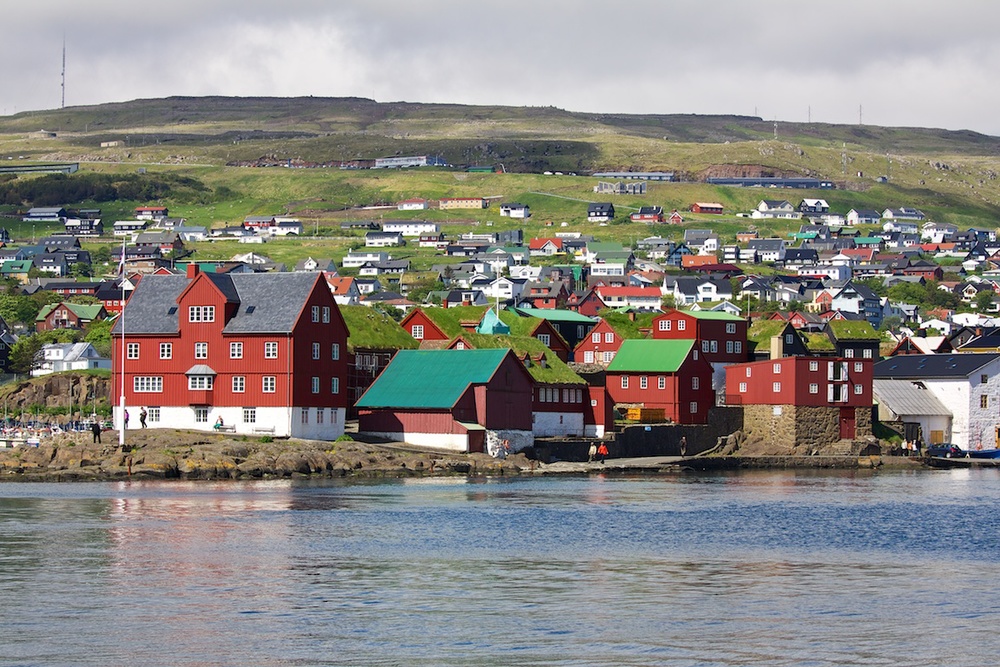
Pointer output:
799, 429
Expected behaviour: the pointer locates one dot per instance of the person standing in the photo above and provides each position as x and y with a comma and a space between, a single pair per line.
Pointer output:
95, 429
592, 452
602, 453
142, 417
126, 419
684, 445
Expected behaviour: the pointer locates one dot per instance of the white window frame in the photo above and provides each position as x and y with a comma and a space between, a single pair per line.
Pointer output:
166, 350
316, 351
147, 384
201, 313
315, 384
201, 350
268, 384
335, 385
624, 382
239, 384
132, 350
661, 382
417, 332
236, 350
335, 351
271, 349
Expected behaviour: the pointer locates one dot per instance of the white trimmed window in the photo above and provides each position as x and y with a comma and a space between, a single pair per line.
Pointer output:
334, 385
859, 367
643, 382
201, 415
239, 384
859, 389
665, 325
201, 382
693, 407
236, 350
315, 384
813, 388
777, 369
271, 350
316, 351
849, 353
545, 339
153, 414
595, 337
776, 387
608, 357
201, 313
661, 382
268, 384
315, 313
417, 331
588, 357
166, 350
132, 351
814, 365
335, 351
144, 384
866, 353
624, 382
743, 387
305, 415
249, 415
739, 347
326, 314
320, 412
695, 383
609, 337
730, 327
201, 350
681, 325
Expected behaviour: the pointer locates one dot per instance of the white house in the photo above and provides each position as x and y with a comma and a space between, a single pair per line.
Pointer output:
57, 357
515, 210
775, 208
411, 228
412, 205
383, 239
358, 258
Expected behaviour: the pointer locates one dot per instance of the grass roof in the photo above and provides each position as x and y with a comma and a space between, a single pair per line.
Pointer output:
450, 319
373, 329
853, 330
626, 327
762, 331
819, 342
555, 370
713, 315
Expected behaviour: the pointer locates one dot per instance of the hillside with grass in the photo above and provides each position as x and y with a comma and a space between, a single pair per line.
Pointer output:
178, 152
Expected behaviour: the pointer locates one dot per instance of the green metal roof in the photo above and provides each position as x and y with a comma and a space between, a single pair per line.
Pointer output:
556, 315
651, 355
84, 311
491, 324
430, 378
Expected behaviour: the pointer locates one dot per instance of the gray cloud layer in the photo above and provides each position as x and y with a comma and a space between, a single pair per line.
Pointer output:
913, 62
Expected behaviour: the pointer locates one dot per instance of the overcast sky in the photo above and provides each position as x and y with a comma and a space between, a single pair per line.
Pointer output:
905, 62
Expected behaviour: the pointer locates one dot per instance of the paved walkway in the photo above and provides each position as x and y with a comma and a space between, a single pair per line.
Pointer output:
639, 464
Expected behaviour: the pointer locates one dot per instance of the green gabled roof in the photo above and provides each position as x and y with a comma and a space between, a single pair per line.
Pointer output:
555, 371
374, 330
867, 240
84, 311
555, 315
430, 378
16, 266
450, 319
852, 330
627, 328
763, 331
651, 355
714, 315
492, 324
819, 342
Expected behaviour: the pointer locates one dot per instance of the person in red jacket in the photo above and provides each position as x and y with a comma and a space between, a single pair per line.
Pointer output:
602, 453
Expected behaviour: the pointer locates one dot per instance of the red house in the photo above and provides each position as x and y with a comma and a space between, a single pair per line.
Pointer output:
707, 207
263, 352
721, 337
822, 400
460, 400
585, 302
600, 347
666, 374
437, 326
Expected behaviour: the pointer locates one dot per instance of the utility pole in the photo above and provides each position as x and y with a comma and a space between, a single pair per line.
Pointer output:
64, 73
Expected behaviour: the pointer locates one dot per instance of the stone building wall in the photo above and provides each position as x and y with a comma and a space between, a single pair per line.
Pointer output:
799, 428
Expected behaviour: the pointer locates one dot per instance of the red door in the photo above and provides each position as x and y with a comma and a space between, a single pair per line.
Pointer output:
846, 423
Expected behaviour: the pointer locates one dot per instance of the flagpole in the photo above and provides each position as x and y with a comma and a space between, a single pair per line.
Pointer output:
121, 321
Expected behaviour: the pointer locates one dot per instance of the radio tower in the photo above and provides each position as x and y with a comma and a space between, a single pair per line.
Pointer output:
64, 74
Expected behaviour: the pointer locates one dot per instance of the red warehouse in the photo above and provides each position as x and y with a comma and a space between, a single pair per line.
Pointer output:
263, 352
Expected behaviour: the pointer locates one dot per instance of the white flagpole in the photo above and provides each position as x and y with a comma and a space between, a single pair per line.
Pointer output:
121, 321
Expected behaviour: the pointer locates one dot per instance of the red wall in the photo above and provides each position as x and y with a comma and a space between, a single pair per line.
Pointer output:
795, 378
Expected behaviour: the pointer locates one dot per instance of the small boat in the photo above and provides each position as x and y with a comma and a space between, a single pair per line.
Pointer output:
983, 453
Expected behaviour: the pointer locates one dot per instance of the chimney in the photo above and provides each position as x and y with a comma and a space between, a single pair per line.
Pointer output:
192, 270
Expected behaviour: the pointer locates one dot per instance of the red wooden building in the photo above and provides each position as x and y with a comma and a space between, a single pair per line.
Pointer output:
664, 374
600, 347
461, 400
586, 302
707, 207
826, 399
265, 352
721, 337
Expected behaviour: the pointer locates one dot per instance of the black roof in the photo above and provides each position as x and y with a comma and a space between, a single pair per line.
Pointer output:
933, 365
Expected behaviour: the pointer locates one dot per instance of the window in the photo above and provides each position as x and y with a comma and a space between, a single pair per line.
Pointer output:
681, 325
319, 415
588, 357
305, 415
642, 382
777, 369
132, 351
693, 407
268, 384
730, 327
858, 367
147, 384
236, 350
743, 387
417, 331
608, 357
201, 313
665, 325
335, 351
984, 401
624, 382
153, 414
334, 385
748, 371
661, 382
738, 347
201, 382
201, 414
859, 389
249, 415
849, 353
239, 384
867, 353
729, 347
271, 350
315, 350
166, 350
315, 313
695, 383
566, 396
609, 337
714, 345
460, 345
704, 346
595, 337
326, 314
776, 387
580, 332
789, 339
201, 350
813, 388
814, 365
315, 384
545, 339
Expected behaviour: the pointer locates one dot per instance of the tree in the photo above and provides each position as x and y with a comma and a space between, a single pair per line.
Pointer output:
984, 301
24, 353
98, 334
82, 270
891, 323
18, 308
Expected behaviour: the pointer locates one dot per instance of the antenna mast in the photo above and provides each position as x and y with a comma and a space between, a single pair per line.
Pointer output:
63, 73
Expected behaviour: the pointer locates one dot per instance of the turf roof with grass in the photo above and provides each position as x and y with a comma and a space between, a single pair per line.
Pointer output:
373, 329
555, 370
852, 330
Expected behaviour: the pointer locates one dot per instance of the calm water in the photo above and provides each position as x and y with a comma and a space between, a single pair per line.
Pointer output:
773, 568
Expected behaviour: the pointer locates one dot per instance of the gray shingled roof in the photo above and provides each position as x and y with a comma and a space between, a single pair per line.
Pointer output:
932, 366
268, 302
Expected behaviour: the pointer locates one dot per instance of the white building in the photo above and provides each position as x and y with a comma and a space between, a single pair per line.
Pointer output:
58, 357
